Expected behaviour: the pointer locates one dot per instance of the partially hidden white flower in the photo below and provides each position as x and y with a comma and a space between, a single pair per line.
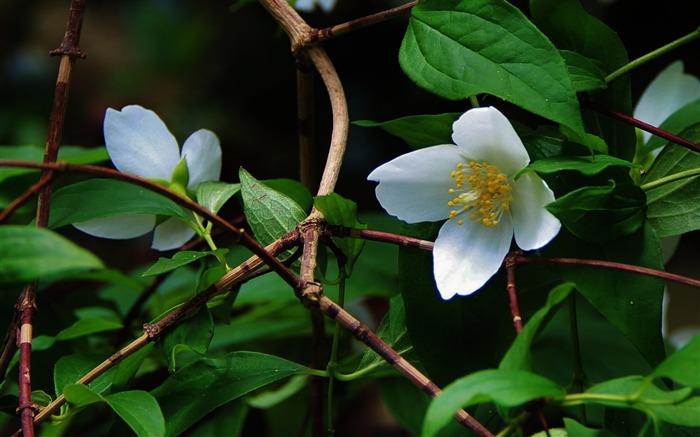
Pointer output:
670, 90
138, 142
309, 5
471, 185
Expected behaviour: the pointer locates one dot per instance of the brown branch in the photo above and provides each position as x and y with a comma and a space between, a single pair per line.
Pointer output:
588, 103
68, 51
320, 35
511, 265
381, 236
306, 126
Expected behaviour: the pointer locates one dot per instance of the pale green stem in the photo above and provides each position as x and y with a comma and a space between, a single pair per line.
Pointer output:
651, 55
474, 101
333, 360
205, 233
671, 178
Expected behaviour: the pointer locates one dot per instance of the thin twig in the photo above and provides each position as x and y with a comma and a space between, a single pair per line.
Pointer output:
511, 266
24, 197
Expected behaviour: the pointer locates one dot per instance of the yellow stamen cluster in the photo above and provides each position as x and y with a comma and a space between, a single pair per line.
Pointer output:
481, 188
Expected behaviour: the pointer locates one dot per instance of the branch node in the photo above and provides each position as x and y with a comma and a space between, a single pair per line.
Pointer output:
151, 330
310, 294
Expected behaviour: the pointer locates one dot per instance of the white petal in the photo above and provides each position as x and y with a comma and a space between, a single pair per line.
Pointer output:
668, 92
171, 234
138, 142
203, 154
414, 187
119, 227
484, 134
326, 5
304, 5
534, 226
465, 257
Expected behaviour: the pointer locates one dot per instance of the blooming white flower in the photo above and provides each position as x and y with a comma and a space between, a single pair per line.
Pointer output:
138, 142
471, 185
309, 5
670, 90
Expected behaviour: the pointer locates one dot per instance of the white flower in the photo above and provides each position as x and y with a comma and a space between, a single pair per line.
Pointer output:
138, 142
668, 92
309, 5
470, 184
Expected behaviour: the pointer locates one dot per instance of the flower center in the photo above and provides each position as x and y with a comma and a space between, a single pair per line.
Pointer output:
482, 189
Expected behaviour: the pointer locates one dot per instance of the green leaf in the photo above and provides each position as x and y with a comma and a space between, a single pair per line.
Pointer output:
631, 302
340, 211
137, 408
96, 198
70, 368
573, 428
214, 194
673, 207
601, 213
418, 130
676, 123
683, 366
295, 190
587, 165
585, 74
570, 27
193, 334
461, 48
180, 259
270, 213
85, 327
214, 382
518, 356
505, 388
30, 253
35, 153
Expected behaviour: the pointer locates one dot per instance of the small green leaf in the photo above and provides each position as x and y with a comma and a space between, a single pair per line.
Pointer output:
683, 366
601, 213
96, 198
586, 165
35, 153
180, 259
29, 253
85, 327
676, 123
418, 130
673, 207
488, 46
137, 408
201, 386
214, 194
193, 334
505, 388
70, 368
573, 428
585, 74
270, 213
340, 211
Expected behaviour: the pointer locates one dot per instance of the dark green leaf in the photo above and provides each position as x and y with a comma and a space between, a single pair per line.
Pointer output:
214, 194
418, 130
270, 213
573, 428
488, 46
676, 123
570, 27
96, 198
70, 368
197, 388
505, 388
674, 208
180, 259
29, 253
35, 153
601, 213
84, 327
292, 189
340, 211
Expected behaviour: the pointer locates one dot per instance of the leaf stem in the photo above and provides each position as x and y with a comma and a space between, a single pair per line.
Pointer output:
333, 360
670, 178
652, 55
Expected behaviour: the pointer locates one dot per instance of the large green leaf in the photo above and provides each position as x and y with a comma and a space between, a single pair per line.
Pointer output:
505, 388
35, 153
192, 334
683, 366
197, 388
30, 253
460, 48
97, 198
631, 302
137, 408
674, 208
270, 213
418, 130
570, 27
